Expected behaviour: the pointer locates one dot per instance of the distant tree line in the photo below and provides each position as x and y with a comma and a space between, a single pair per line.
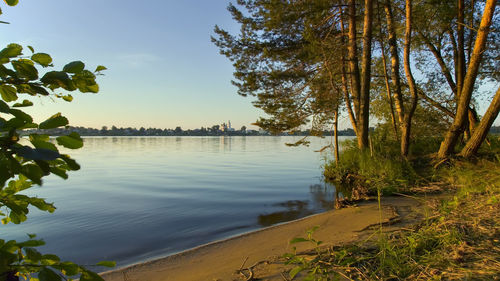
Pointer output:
178, 131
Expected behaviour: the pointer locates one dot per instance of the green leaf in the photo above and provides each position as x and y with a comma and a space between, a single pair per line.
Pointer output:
31, 49
25, 103
37, 153
55, 121
4, 107
68, 98
12, 50
25, 69
72, 141
21, 115
107, 263
44, 145
31, 243
47, 274
39, 90
42, 59
33, 172
33, 255
50, 259
11, 2
38, 137
85, 82
69, 268
295, 271
100, 68
8, 93
90, 276
56, 79
71, 163
59, 172
74, 67
298, 240
41, 204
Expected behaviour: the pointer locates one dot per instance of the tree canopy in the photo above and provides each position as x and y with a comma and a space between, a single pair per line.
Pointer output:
304, 61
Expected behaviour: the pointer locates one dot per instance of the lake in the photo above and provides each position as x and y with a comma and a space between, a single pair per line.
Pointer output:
139, 198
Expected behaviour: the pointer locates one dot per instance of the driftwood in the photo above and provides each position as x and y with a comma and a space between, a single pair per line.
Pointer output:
249, 269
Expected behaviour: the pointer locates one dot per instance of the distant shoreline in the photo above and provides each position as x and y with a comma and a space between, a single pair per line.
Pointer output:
131, 132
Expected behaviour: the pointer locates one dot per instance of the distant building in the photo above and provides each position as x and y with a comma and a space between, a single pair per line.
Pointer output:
227, 127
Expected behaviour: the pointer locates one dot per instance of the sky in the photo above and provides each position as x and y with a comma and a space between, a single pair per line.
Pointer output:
163, 70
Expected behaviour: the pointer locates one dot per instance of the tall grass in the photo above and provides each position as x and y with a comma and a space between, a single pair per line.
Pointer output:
381, 167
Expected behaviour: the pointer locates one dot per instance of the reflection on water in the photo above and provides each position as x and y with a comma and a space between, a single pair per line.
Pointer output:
137, 198
294, 209
322, 197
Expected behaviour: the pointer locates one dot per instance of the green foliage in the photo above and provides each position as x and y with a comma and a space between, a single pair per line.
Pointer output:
382, 167
25, 162
303, 263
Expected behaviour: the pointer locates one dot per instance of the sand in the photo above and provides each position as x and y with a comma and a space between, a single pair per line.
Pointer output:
220, 260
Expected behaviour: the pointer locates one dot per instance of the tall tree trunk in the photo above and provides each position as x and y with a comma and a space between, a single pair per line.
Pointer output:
471, 34
460, 70
406, 133
393, 48
352, 51
336, 135
360, 82
345, 87
483, 128
389, 93
386, 77
448, 144
366, 63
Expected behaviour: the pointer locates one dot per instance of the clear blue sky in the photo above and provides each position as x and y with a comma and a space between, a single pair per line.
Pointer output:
163, 70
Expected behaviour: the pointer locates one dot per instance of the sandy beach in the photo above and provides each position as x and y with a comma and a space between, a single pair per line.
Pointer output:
221, 260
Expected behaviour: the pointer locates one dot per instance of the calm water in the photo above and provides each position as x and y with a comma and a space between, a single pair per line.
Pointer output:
138, 198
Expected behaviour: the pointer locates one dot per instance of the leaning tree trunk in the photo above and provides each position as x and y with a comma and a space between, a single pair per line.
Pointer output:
481, 131
448, 144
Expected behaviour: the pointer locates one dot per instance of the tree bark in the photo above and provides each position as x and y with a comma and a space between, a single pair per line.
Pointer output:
393, 48
336, 136
460, 70
366, 62
481, 131
448, 144
360, 82
352, 51
406, 132
389, 93
345, 87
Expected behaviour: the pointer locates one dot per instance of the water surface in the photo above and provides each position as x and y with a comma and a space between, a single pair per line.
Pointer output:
138, 198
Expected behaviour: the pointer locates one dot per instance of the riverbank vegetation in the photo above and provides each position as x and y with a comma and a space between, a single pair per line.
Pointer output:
459, 238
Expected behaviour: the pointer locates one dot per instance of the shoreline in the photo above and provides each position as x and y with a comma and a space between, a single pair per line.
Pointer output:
219, 260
